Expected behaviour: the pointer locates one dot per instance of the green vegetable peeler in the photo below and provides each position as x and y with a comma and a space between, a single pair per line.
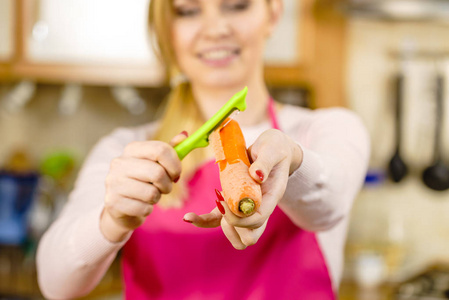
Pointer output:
200, 138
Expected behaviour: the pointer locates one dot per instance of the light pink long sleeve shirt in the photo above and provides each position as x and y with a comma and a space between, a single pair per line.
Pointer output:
73, 255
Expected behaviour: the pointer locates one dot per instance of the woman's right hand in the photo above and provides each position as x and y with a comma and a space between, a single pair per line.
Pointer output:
135, 183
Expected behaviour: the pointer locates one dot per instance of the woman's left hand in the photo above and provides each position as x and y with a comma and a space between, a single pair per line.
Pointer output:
275, 156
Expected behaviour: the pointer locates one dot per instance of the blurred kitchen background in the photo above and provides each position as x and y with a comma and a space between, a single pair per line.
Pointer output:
71, 71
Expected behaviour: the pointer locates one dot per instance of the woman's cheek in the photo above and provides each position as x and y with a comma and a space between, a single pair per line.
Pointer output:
183, 36
253, 31
252, 25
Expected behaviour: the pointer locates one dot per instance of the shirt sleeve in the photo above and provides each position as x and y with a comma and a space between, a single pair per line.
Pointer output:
73, 255
336, 151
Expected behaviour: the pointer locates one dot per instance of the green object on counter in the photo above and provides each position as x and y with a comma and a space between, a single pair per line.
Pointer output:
57, 165
200, 138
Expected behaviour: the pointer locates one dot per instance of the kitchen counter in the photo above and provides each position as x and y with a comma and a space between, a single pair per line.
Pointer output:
350, 291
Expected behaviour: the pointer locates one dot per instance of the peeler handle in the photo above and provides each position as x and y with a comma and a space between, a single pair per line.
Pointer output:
200, 138
187, 146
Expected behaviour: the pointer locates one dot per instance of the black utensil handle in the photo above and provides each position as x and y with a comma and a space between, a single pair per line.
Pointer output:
399, 93
439, 116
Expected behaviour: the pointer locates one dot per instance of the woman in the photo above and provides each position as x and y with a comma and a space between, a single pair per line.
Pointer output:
310, 165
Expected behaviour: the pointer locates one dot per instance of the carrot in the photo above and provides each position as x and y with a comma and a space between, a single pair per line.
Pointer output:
242, 193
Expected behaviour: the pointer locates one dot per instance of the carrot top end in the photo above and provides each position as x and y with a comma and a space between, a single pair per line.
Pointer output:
247, 206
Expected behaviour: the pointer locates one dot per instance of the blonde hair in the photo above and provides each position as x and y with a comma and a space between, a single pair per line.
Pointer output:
181, 111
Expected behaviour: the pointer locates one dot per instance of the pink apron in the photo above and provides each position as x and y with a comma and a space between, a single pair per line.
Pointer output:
167, 258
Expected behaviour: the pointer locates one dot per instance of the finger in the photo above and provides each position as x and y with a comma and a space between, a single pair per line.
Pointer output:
178, 138
263, 162
239, 236
149, 172
232, 235
252, 222
158, 176
274, 188
210, 220
250, 237
270, 148
270, 199
224, 208
272, 192
134, 189
129, 207
159, 152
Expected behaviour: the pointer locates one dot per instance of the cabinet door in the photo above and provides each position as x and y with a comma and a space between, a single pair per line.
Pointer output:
98, 42
290, 53
6, 30
284, 47
90, 32
289, 45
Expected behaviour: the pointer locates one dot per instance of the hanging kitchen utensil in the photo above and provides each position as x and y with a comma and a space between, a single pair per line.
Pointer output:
129, 98
71, 96
397, 167
19, 96
436, 176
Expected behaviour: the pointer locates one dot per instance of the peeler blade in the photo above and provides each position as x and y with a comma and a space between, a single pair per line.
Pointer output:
230, 118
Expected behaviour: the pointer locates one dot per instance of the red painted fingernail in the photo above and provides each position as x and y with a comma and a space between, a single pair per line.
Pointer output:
185, 133
260, 174
220, 206
176, 179
187, 221
219, 196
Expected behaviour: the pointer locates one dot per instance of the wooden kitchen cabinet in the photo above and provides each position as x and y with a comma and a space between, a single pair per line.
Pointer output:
100, 42
6, 29
6, 35
321, 64
289, 44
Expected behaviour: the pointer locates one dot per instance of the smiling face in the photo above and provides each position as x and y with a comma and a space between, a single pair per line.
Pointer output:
219, 43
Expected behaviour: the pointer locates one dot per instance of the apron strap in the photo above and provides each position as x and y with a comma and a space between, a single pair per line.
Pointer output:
272, 114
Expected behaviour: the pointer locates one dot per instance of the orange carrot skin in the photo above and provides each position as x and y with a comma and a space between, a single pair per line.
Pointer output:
237, 186
232, 156
233, 143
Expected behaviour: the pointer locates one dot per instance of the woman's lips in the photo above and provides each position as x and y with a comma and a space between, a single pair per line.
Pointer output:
219, 57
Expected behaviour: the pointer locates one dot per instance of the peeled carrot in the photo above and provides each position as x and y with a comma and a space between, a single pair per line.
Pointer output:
240, 191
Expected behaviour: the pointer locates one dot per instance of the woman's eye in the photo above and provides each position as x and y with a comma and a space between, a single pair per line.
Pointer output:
237, 6
186, 12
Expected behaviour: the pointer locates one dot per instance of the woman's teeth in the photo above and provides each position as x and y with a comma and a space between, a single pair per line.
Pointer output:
217, 54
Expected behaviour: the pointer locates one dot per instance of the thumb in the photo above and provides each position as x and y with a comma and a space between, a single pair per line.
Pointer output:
178, 138
263, 163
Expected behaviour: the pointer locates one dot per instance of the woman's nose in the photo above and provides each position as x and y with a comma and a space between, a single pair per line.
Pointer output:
216, 26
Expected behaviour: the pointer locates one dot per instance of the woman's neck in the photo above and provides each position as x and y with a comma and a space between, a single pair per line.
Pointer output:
211, 99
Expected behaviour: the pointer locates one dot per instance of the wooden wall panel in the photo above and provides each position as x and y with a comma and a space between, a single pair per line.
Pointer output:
324, 72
